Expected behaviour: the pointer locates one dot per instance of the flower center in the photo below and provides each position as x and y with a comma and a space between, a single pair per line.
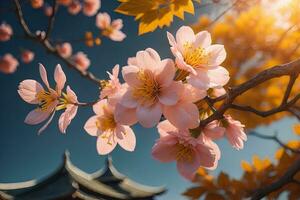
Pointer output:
195, 56
108, 31
148, 91
106, 123
184, 153
45, 99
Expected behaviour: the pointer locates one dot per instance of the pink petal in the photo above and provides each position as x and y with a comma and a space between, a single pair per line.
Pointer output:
171, 39
153, 54
217, 54
149, 116
185, 35
192, 94
28, 90
165, 149
71, 95
218, 77
90, 126
213, 130
117, 35
130, 75
103, 20
182, 115
46, 124
170, 95
166, 73
117, 24
203, 39
146, 61
189, 169
207, 155
60, 78
165, 127
128, 100
43, 74
103, 147
200, 81
98, 107
124, 115
66, 118
128, 142
36, 116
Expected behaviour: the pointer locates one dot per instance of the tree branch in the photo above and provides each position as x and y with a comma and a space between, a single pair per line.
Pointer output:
48, 46
52, 19
279, 183
289, 69
276, 139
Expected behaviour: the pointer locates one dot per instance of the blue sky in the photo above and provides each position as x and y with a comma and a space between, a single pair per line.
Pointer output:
25, 156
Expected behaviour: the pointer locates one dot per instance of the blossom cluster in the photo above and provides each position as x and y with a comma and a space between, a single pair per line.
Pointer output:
166, 93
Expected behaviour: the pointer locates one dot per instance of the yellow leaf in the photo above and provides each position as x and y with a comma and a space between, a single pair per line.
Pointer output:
279, 153
155, 13
246, 166
297, 129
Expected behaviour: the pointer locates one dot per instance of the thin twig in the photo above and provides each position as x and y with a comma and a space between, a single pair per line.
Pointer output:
51, 19
50, 48
274, 138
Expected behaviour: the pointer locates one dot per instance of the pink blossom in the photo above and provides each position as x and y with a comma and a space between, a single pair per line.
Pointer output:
81, 61
69, 103
48, 11
185, 114
37, 3
75, 7
40, 34
64, 49
112, 86
217, 92
91, 7
47, 99
150, 88
109, 132
235, 132
64, 2
110, 29
8, 64
27, 56
5, 32
196, 55
190, 153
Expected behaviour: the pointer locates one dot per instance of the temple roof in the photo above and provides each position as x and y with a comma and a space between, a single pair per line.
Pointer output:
107, 183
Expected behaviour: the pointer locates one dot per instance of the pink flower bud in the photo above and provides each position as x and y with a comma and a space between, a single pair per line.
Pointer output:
8, 64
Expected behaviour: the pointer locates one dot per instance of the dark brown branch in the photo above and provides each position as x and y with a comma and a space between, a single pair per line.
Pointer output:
274, 138
288, 69
287, 178
51, 19
51, 49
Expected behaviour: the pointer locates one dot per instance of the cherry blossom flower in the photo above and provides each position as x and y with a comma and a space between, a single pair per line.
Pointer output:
5, 32
150, 88
234, 132
81, 61
69, 103
217, 92
75, 7
110, 29
196, 55
27, 56
190, 153
91, 7
8, 64
47, 99
185, 114
113, 86
37, 3
64, 49
109, 132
